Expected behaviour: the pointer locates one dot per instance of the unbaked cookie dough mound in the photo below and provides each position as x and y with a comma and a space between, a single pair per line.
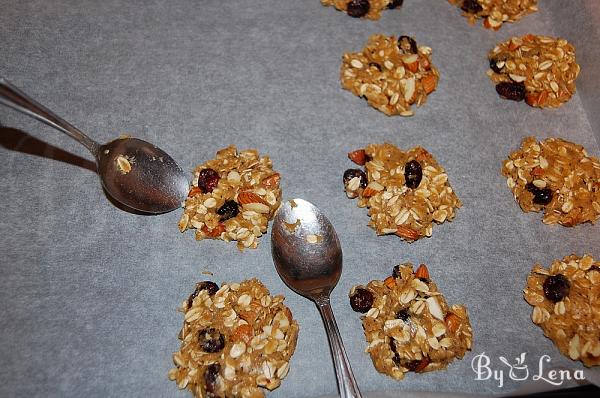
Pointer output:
408, 324
370, 9
406, 192
538, 69
555, 176
236, 341
233, 197
495, 12
391, 73
565, 300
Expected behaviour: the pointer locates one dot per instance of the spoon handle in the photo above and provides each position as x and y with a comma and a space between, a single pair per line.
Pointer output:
343, 372
19, 101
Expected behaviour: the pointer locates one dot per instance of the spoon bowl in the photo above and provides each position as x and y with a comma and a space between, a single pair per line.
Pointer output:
308, 257
154, 183
310, 269
132, 171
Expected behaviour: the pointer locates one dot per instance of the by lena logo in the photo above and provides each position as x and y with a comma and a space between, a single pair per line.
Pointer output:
519, 370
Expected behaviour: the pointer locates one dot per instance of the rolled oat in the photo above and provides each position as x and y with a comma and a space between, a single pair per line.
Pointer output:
370, 9
409, 326
495, 12
235, 341
555, 176
543, 66
233, 197
391, 73
397, 203
565, 300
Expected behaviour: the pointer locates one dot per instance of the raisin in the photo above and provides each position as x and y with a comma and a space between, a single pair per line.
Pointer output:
396, 357
375, 65
395, 4
541, 196
209, 286
494, 65
352, 173
211, 340
425, 280
404, 315
413, 174
416, 365
229, 210
210, 378
556, 287
208, 180
361, 300
511, 91
471, 6
407, 45
396, 272
358, 8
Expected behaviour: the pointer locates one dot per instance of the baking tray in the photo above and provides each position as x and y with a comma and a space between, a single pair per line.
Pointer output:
89, 292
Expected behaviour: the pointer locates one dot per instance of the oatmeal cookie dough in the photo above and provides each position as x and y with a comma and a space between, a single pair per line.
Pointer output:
391, 73
235, 339
370, 9
233, 197
565, 305
555, 176
539, 69
495, 12
408, 324
405, 192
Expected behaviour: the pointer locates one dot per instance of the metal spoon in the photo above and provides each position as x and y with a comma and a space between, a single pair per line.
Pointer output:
308, 257
134, 172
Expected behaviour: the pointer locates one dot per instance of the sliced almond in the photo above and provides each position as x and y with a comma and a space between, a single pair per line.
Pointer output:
434, 308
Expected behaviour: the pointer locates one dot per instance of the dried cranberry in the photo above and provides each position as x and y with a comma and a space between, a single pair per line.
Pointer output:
208, 180
353, 173
395, 3
471, 6
209, 286
210, 378
556, 287
511, 91
407, 45
361, 300
211, 340
413, 174
358, 8
541, 196
404, 315
229, 210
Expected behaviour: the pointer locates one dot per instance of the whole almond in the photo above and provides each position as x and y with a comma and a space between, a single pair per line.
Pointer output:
246, 197
359, 157
422, 272
407, 233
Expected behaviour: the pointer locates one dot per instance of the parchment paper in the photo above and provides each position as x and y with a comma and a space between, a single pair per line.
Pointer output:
88, 292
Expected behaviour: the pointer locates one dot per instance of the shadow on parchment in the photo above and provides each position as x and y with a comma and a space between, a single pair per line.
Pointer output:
20, 141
